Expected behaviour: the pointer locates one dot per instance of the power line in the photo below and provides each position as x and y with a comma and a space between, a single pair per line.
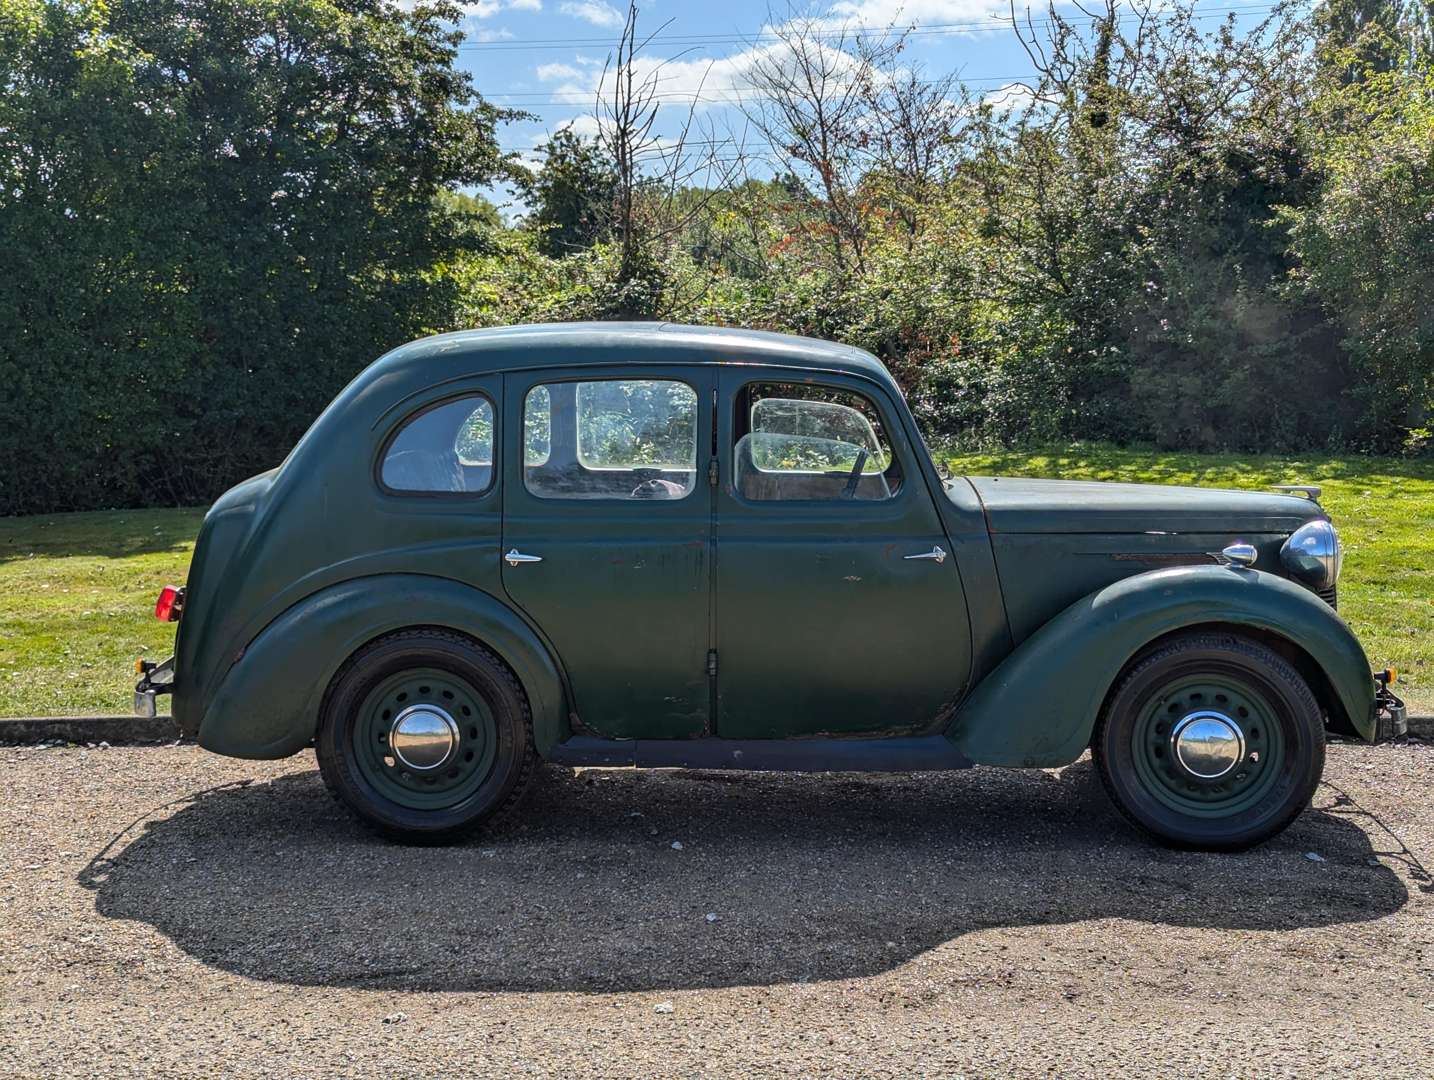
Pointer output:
988, 25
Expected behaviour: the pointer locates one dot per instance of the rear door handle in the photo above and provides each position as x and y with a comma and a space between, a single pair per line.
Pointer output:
935, 555
515, 557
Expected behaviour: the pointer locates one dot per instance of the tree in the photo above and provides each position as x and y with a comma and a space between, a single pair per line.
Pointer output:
812, 98
1366, 243
212, 214
1359, 37
571, 198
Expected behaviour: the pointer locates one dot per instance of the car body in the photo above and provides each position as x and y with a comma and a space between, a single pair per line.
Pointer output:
697, 547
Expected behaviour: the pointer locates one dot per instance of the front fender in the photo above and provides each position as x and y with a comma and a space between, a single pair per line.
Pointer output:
1039, 707
267, 705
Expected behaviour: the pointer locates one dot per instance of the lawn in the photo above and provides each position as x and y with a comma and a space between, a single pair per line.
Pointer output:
1383, 508
76, 589
76, 605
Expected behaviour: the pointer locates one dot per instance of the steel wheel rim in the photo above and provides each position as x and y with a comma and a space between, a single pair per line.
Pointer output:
431, 697
1174, 779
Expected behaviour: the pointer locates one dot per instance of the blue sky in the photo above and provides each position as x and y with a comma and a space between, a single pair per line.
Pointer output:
546, 56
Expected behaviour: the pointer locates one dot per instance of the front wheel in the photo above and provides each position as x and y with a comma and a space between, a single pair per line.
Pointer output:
424, 736
1211, 741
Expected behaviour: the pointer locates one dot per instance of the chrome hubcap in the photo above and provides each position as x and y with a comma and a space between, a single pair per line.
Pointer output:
423, 737
1207, 744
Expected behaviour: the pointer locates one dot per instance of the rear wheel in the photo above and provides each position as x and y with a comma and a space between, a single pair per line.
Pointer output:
424, 736
1211, 741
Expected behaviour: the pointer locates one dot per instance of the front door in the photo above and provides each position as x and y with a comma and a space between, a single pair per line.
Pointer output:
839, 608
607, 519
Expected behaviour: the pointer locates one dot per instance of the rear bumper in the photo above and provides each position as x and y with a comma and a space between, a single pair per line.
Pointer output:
1391, 717
154, 680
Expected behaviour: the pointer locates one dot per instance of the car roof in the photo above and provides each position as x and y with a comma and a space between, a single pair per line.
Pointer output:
512, 348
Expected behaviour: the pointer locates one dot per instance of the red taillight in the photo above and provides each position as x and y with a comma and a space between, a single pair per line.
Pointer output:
169, 604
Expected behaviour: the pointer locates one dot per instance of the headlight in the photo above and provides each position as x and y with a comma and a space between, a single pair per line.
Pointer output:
1312, 554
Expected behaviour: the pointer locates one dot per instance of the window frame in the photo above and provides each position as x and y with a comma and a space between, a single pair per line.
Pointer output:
633, 374
398, 427
825, 381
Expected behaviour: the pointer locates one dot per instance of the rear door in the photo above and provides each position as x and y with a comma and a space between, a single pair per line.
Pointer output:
839, 608
607, 518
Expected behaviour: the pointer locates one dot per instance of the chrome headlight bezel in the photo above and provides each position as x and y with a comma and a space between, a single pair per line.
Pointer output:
1312, 554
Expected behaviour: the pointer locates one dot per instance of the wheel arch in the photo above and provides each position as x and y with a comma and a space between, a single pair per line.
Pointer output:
267, 705
1338, 720
1038, 708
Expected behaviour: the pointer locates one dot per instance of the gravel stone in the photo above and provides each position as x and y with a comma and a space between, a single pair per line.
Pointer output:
168, 913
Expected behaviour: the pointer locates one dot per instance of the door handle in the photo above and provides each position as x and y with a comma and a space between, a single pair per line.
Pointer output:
935, 554
515, 557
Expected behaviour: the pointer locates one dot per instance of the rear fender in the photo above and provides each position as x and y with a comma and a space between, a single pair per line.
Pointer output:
1040, 705
267, 705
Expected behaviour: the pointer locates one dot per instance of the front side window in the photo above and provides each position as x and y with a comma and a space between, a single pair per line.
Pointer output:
444, 449
802, 442
610, 439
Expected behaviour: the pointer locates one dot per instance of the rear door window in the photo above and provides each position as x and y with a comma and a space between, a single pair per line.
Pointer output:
610, 439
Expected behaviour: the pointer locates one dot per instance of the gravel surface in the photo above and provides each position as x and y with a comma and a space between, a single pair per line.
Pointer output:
165, 912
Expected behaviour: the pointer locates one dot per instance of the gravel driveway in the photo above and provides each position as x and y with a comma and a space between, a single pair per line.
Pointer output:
167, 912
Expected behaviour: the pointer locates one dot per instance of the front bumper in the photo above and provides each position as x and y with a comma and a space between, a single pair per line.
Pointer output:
154, 679
1391, 717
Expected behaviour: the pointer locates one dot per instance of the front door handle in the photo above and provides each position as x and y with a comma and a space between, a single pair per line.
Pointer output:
935, 554
516, 557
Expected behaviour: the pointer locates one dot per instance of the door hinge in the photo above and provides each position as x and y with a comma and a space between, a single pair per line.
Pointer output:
712, 472
712, 663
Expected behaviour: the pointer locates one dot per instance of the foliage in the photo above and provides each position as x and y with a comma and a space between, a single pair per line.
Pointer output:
212, 214
1366, 242
1178, 233
571, 197
75, 589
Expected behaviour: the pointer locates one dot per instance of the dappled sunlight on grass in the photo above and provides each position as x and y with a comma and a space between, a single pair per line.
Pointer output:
76, 605
76, 589
1383, 508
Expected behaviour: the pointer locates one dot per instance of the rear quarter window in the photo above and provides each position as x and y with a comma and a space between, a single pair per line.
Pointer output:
445, 449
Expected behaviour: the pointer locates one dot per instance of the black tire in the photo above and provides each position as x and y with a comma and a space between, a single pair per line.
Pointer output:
1152, 787
505, 769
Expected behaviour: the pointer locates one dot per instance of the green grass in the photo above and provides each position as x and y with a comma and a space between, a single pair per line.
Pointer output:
76, 590
77, 605
1383, 508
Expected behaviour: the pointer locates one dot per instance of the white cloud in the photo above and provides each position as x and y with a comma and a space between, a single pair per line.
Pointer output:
1013, 97
913, 12
554, 72
597, 12
486, 9
497, 34
584, 126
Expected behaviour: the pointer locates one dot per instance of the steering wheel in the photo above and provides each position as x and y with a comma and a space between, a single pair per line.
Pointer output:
652, 489
849, 492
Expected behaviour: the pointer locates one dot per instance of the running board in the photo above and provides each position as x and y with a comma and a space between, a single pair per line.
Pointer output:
928, 752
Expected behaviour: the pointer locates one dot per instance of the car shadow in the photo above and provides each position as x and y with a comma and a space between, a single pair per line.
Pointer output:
626, 880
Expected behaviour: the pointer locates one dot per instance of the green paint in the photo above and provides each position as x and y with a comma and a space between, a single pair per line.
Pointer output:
1242, 788
1039, 706
424, 789
819, 620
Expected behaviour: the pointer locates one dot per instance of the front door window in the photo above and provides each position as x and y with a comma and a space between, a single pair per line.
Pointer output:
810, 443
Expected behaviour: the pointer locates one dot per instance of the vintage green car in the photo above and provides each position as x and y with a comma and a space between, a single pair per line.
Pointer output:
670, 546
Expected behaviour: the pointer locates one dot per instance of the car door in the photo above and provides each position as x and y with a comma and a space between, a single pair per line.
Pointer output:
607, 517
838, 607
